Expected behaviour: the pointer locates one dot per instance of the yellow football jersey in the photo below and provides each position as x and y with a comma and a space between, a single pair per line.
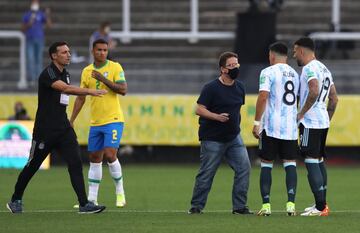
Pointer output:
105, 109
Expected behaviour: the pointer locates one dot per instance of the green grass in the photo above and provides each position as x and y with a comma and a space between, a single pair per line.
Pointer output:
158, 197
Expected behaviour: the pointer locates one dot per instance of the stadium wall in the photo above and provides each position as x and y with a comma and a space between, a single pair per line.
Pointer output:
169, 120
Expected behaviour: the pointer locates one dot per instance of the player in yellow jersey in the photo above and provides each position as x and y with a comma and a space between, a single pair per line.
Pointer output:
107, 119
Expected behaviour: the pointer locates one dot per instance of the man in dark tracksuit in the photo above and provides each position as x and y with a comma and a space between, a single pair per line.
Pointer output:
52, 130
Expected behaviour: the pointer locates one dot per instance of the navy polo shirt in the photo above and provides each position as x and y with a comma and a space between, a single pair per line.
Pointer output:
219, 98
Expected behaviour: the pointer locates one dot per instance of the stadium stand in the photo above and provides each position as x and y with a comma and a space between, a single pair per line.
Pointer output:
173, 66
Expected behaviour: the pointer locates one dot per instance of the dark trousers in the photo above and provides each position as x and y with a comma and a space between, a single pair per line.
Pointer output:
211, 154
66, 144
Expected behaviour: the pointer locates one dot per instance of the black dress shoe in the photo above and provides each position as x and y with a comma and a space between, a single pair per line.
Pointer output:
194, 210
244, 210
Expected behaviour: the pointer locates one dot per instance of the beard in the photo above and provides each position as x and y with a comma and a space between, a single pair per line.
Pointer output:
299, 63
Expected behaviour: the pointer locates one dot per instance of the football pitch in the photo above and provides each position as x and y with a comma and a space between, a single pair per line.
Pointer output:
158, 198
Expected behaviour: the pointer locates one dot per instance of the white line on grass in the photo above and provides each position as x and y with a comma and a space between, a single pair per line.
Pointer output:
160, 211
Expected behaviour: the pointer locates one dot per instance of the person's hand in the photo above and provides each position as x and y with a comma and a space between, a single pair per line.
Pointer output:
222, 117
97, 75
98, 93
299, 117
112, 44
47, 11
256, 131
71, 124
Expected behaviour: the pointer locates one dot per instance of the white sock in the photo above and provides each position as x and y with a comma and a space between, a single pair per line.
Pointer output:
94, 179
116, 174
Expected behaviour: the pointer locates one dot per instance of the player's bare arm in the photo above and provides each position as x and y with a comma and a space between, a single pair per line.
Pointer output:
333, 100
260, 108
203, 112
79, 103
120, 88
74, 90
311, 98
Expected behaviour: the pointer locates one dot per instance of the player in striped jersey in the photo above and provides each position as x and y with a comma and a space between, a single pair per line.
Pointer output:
316, 86
275, 124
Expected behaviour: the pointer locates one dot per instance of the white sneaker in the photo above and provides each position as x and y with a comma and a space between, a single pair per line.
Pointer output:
316, 212
307, 209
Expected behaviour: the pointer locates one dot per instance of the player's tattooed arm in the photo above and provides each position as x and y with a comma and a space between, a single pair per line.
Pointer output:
311, 98
333, 100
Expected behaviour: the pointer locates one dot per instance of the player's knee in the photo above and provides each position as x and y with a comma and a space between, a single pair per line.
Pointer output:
110, 154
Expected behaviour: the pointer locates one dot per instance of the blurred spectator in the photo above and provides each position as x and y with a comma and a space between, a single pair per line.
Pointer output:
103, 33
20, 112
33, 27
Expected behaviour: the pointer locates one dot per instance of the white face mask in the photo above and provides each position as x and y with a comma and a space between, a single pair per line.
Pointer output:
34, 7
107, 30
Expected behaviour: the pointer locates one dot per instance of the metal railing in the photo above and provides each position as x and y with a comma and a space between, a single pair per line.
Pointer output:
335, 15
193, 36
22, 83
335, 35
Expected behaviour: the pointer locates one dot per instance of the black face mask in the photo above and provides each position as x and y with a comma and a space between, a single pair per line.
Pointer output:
234, 73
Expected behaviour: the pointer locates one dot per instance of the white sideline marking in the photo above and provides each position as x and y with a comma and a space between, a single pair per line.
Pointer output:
161, 211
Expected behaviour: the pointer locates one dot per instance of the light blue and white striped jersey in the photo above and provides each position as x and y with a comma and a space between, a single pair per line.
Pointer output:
317, 117
279, 118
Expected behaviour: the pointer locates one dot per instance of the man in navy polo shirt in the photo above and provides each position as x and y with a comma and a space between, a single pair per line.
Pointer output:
219, 109
33, 27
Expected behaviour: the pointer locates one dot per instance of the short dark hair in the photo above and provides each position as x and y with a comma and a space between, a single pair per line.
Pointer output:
99, 41
53, 47
105, 24
224, 56
279, 48
306, 42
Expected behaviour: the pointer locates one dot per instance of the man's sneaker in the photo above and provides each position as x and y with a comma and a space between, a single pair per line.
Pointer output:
265, 210
313, 207
244, 210
77, 205
316, 212
91, 208
15, 206
307, 209
194, 210
290, 208
120, 200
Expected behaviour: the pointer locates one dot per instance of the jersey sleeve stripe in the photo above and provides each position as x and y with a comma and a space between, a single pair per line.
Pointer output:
51, 73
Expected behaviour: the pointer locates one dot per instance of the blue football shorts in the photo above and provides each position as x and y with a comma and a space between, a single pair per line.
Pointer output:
102, 136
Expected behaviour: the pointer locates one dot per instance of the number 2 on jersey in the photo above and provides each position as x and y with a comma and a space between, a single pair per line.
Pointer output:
114, 134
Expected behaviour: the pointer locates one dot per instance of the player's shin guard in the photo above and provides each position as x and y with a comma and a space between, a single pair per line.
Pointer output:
265, 181
291, 180
94, 179
116, 174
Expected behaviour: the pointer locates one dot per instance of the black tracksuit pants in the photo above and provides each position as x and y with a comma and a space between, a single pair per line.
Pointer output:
65, 143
